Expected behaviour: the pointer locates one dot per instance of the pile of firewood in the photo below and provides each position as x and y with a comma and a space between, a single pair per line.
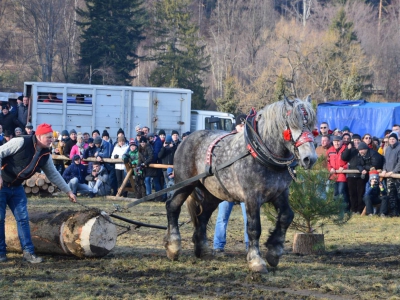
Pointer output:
39, 183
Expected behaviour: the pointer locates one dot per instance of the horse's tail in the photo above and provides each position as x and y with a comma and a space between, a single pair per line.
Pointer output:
194, 206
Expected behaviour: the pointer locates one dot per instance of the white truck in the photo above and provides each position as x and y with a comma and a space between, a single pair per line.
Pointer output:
87, 107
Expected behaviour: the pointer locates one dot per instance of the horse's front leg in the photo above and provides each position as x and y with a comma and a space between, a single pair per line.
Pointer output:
256, 263
172, 240
275, 241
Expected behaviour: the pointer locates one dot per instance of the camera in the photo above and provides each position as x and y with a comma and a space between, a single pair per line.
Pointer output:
116, 155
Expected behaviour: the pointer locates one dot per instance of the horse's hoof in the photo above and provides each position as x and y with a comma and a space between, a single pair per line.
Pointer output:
258, 265
173, 250
262, 269
272, 260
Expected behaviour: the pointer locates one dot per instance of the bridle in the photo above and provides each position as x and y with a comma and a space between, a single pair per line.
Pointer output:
267, 157
305, 136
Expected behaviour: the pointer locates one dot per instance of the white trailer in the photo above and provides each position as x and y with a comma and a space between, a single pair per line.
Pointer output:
86, 107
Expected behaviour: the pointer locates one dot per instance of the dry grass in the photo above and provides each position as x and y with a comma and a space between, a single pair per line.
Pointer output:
361, 262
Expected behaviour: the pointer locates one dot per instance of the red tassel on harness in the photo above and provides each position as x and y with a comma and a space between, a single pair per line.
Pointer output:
315, 132
287, 135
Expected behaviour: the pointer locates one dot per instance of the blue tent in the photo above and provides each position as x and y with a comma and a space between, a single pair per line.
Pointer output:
360, 116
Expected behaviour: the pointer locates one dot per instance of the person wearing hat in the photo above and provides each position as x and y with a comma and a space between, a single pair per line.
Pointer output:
146, 158
22, 111
104, 151
346, 129
106, 136
175, 138
375, 194
20, 158
337, 164
79, 148
7, 136
75, 175
118, 152
138, 128
365, 159
161, 134
99, 181
121, 133
29, 129
95, 133
8, 120
90, 151
390, 167
71, 142
59, 150
18, 131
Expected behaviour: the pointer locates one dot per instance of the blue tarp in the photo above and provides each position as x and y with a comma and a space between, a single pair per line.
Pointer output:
360, 116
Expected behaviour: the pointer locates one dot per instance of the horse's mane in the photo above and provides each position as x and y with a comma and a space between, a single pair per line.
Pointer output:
275, 117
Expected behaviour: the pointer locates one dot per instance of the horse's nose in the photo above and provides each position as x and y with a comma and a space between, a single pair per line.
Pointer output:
309, 161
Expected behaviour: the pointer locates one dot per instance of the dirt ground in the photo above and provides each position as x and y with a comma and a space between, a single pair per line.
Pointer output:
361, 262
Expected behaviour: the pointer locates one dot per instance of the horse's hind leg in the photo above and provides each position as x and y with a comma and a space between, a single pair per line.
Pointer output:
172, 240
256, 263
275, 241
199, 239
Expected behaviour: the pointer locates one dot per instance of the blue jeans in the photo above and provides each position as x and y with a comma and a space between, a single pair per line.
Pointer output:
340, 188
224, 211
147, 183
16, 200
76, 187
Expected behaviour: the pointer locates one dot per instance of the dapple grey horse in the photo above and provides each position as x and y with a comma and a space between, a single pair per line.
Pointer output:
257, 168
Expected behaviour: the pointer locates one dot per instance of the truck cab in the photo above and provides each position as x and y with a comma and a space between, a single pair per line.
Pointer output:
211, 120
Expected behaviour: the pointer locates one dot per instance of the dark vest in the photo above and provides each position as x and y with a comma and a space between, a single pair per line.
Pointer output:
22, 165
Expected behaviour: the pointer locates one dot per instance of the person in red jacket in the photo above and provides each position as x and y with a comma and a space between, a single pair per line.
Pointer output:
335, 163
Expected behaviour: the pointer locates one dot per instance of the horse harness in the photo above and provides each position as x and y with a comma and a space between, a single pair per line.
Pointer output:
255, 147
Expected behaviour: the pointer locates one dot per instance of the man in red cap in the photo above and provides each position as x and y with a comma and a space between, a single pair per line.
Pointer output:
20, 158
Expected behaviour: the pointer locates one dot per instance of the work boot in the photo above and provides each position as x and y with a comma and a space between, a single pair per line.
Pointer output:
3, 258
32, 258
91, 195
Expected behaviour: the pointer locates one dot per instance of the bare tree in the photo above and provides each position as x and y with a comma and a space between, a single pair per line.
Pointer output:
42, 20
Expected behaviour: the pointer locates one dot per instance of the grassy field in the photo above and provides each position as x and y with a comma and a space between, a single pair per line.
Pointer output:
362, 261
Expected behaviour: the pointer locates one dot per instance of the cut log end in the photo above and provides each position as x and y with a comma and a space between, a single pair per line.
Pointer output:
308, 243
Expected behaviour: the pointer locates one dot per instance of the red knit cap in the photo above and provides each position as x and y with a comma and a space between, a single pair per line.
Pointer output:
373, 172
43, 129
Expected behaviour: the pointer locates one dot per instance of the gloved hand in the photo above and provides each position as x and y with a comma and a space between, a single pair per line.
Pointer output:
125, 158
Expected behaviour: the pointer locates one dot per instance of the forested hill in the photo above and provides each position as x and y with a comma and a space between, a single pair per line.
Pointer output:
234, 54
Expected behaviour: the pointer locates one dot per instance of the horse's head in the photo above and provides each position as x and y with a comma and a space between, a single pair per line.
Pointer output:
290, 123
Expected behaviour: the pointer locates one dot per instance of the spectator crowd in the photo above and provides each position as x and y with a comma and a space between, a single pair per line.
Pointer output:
364, 190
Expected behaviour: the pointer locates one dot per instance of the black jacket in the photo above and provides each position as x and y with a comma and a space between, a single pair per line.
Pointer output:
354, 161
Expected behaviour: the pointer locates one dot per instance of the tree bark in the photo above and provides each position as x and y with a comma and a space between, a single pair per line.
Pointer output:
308, 243
81, 233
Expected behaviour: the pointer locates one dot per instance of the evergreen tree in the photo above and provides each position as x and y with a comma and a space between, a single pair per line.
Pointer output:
312, 200
228, 102
177, 50
111, 33
280, 88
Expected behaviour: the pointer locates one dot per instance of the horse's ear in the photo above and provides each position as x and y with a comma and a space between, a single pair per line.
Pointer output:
287, 101
308, 99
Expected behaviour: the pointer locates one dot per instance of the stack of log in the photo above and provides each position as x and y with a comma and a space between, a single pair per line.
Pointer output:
39, 183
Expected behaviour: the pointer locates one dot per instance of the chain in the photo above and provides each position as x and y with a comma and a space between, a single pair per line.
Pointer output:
104, 214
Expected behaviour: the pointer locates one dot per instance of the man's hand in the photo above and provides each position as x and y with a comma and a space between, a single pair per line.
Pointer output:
71, 196
1, 182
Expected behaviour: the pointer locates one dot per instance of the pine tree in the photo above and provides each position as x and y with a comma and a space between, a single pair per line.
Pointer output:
112, 32
313, 202
280, 88
228, 102
177, 50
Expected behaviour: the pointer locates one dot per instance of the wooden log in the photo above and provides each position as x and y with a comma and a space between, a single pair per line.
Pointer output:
39, 181
80, 233
51, 189
44, 187
28, 190
31, 182
308, 243
46, 180
35, 189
